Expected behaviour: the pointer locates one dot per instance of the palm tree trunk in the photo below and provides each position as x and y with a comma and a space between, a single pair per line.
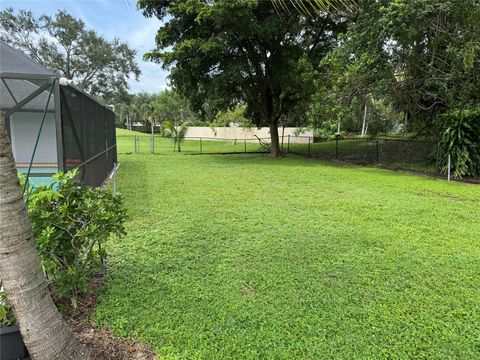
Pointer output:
44, 332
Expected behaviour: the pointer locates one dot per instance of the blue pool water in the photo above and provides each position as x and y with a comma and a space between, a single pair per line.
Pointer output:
39, 176
40, 180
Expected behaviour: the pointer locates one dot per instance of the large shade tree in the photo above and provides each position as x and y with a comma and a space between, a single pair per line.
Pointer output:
242, 52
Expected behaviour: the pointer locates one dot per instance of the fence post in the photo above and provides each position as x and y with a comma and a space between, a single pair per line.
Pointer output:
114, 178
336, 147
245, 145
449, 166
201, 150
135, 143
309, 153
288, 144
377, 153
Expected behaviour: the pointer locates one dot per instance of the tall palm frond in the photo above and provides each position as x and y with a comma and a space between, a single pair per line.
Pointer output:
312, 6
169, 129
182, 130
175, 132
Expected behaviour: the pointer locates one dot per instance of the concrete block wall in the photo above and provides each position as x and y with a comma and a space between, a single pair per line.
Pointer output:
239, 133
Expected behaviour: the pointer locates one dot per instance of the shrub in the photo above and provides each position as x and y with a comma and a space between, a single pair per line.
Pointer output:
327, 130
460, 138
233, 117
6, 312
71, 223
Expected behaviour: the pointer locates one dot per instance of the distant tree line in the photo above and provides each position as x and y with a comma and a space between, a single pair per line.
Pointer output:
65, 45
149, 112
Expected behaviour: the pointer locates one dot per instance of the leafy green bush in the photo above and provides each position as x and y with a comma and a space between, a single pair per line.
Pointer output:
460, 138
6, 312
327, 129
233, 117
71, 223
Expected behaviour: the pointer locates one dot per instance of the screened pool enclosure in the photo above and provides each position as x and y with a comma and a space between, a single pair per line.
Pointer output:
54, 126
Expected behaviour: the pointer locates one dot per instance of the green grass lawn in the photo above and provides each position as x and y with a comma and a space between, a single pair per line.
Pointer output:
249, 257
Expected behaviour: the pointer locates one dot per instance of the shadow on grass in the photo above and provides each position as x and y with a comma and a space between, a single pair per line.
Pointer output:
293, 160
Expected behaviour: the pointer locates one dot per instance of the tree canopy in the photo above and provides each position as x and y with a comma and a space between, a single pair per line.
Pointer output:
63, 44
169, 105
417, 64
422, 54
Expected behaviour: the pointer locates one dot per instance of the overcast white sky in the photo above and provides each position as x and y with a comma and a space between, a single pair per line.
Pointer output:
110, 18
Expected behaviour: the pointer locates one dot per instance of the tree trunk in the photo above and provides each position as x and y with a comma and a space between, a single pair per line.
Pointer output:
44, 332
275, 143
364, 127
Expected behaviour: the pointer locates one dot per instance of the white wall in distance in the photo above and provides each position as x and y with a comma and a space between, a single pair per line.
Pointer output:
249, 134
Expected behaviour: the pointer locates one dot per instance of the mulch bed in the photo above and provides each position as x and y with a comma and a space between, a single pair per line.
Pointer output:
103, 344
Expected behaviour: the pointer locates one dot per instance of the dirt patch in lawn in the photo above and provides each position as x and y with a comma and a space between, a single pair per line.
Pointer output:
103, 344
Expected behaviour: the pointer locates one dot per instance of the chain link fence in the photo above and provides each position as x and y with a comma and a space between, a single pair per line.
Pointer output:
402, 154
148, 144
